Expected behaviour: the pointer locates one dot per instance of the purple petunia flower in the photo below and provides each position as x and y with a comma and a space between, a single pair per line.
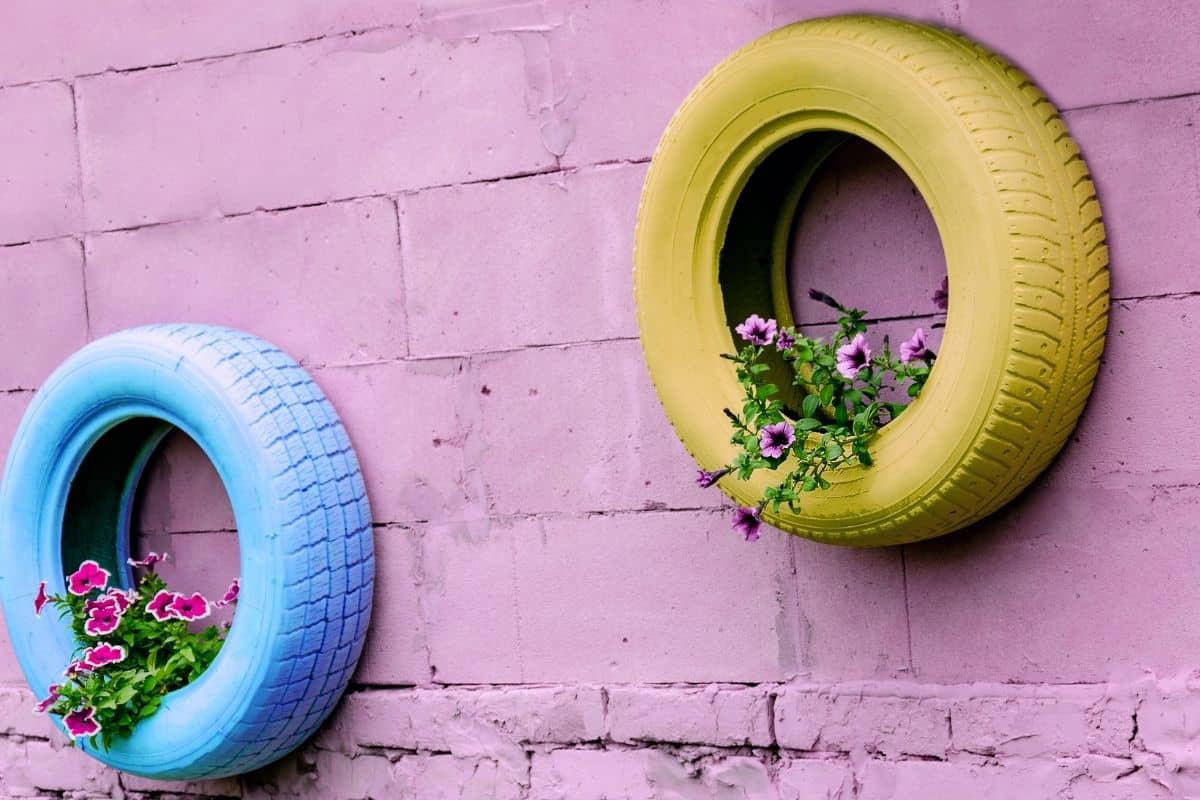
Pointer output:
785, 341
40, 600
103, 619
914, 348
103, 653
757, 330
706, 479
149, 561
89, 576
773, 440
81, 722
104, 601
44, 705
159, 605
122, 599
189, 608
231, 594
747, 521
77, 667
941, 297
853, 357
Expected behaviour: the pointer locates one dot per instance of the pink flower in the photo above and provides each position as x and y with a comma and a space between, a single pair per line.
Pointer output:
773, 440
914, 348
104, 601
81, 723
149, 561
231, 594
853, 357
39, 602
102, 620
44, 705
158, 607
122, 599
189, 608
104, 653
785, 341
941, 297
76, 668
747, 521
757, 330
89, 576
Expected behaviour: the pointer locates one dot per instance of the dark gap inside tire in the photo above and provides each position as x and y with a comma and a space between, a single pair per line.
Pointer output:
762, 214
98, 509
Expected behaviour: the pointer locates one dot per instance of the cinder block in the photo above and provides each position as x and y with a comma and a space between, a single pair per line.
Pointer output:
12, 408
652, 598
864, 235
725, 717
322, 121
50, 766
395, 651
446, 777
491, 723
847, 721
413, 439
945, 780
1121, 441
322, 283
220, 788
1085, 54
548, 260
129, 34
17, 717
180, 492
39, 190
310, 774
812, 779
844, 589
1143, 158
578, 429
1029, 595
1168, 715
1044, 722
41, 297
468, 596
607, 100
644, 775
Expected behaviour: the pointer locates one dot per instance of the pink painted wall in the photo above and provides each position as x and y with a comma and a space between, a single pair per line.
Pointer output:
431, 205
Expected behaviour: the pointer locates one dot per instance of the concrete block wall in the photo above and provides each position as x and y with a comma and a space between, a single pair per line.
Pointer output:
431, 205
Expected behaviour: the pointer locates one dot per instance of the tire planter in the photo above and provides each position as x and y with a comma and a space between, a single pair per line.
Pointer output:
304, 529
1020, 226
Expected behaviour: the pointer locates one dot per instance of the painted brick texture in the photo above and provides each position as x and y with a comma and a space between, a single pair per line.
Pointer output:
431, 204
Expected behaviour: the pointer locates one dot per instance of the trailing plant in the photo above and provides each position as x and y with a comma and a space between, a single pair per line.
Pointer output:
134, 646
848, 393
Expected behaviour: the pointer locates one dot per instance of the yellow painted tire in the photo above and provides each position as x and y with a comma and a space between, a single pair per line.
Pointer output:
1020, 226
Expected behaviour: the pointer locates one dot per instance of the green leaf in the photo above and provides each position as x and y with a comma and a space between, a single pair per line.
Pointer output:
808, 424
827, 394
833, 451
810, 405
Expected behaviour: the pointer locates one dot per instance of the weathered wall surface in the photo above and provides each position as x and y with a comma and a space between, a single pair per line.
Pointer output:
431, 205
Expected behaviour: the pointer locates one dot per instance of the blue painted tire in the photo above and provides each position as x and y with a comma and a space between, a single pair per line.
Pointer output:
304, 528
